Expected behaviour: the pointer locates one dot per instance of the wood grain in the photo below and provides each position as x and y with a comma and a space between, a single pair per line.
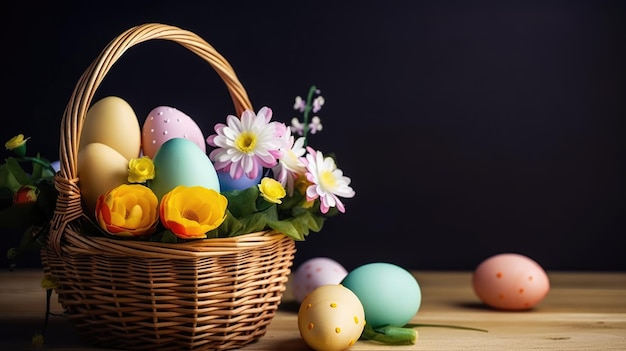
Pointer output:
583, 311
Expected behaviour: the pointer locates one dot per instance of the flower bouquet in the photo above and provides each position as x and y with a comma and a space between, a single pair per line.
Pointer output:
153, 251
267, 179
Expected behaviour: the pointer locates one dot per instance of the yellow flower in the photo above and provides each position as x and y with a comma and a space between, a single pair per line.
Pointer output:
128, 210
271, 190
140, 169
17, 144
191, 212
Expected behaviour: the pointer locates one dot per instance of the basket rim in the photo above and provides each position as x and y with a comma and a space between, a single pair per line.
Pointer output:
78, 243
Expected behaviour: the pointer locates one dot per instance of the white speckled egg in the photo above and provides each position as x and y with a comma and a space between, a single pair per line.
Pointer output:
111, 121
164, 123
331, 318
510, 281
314, 273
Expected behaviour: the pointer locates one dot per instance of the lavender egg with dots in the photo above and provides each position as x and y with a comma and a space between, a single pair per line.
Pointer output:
164, 123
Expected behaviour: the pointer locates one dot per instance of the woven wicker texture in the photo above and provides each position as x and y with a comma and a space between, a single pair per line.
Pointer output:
212, 294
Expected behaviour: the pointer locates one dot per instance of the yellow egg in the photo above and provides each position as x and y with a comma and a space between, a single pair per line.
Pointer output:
331, 318
112, 122
100, 169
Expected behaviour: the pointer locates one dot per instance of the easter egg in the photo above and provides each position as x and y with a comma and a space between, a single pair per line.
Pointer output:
111, 121
229, 183
314, 273
510, 281
100, 169
331, 318
179, 161
389, 293
164, 123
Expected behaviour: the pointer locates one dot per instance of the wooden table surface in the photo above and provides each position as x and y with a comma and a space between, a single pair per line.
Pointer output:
583, 311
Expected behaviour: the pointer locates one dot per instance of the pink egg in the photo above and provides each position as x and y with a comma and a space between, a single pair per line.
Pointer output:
164, 123
510, 281
314, 273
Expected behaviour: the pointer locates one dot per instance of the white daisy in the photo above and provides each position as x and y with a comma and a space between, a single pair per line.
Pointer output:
328, 182
245, 145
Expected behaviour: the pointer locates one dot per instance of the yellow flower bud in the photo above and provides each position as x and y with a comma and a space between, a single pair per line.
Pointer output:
17, 144
140, 169
271, 190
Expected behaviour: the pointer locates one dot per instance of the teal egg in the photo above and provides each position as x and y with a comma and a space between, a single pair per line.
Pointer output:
180, 161
389, 293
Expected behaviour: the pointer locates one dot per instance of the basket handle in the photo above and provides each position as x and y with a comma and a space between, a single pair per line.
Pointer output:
69, 206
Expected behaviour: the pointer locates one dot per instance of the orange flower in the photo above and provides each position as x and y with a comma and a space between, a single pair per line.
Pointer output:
191, 212
128, 210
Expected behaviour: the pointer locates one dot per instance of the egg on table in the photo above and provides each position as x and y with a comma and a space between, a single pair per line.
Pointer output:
331, 318
389, 293
510, 281
314, 273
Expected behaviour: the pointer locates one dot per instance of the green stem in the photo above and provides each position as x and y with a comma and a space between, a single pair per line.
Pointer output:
390, 335
405, 335
414, 325
38, 160
307, 110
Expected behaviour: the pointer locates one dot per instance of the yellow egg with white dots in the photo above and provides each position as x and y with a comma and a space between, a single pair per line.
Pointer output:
331, 318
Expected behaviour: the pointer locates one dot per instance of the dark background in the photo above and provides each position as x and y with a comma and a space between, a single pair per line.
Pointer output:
468, 128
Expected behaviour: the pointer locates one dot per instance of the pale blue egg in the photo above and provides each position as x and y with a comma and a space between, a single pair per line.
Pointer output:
180, 161
389, 293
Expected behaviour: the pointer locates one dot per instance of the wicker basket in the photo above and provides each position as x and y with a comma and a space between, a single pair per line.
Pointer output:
211, 294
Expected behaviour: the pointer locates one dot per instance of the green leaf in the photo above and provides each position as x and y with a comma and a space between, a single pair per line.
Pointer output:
390, 335
286, 227
8, 182
39, 170
18, 172
242, 202
290, 202
169, 237
258, 221
307, 220
230, 226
